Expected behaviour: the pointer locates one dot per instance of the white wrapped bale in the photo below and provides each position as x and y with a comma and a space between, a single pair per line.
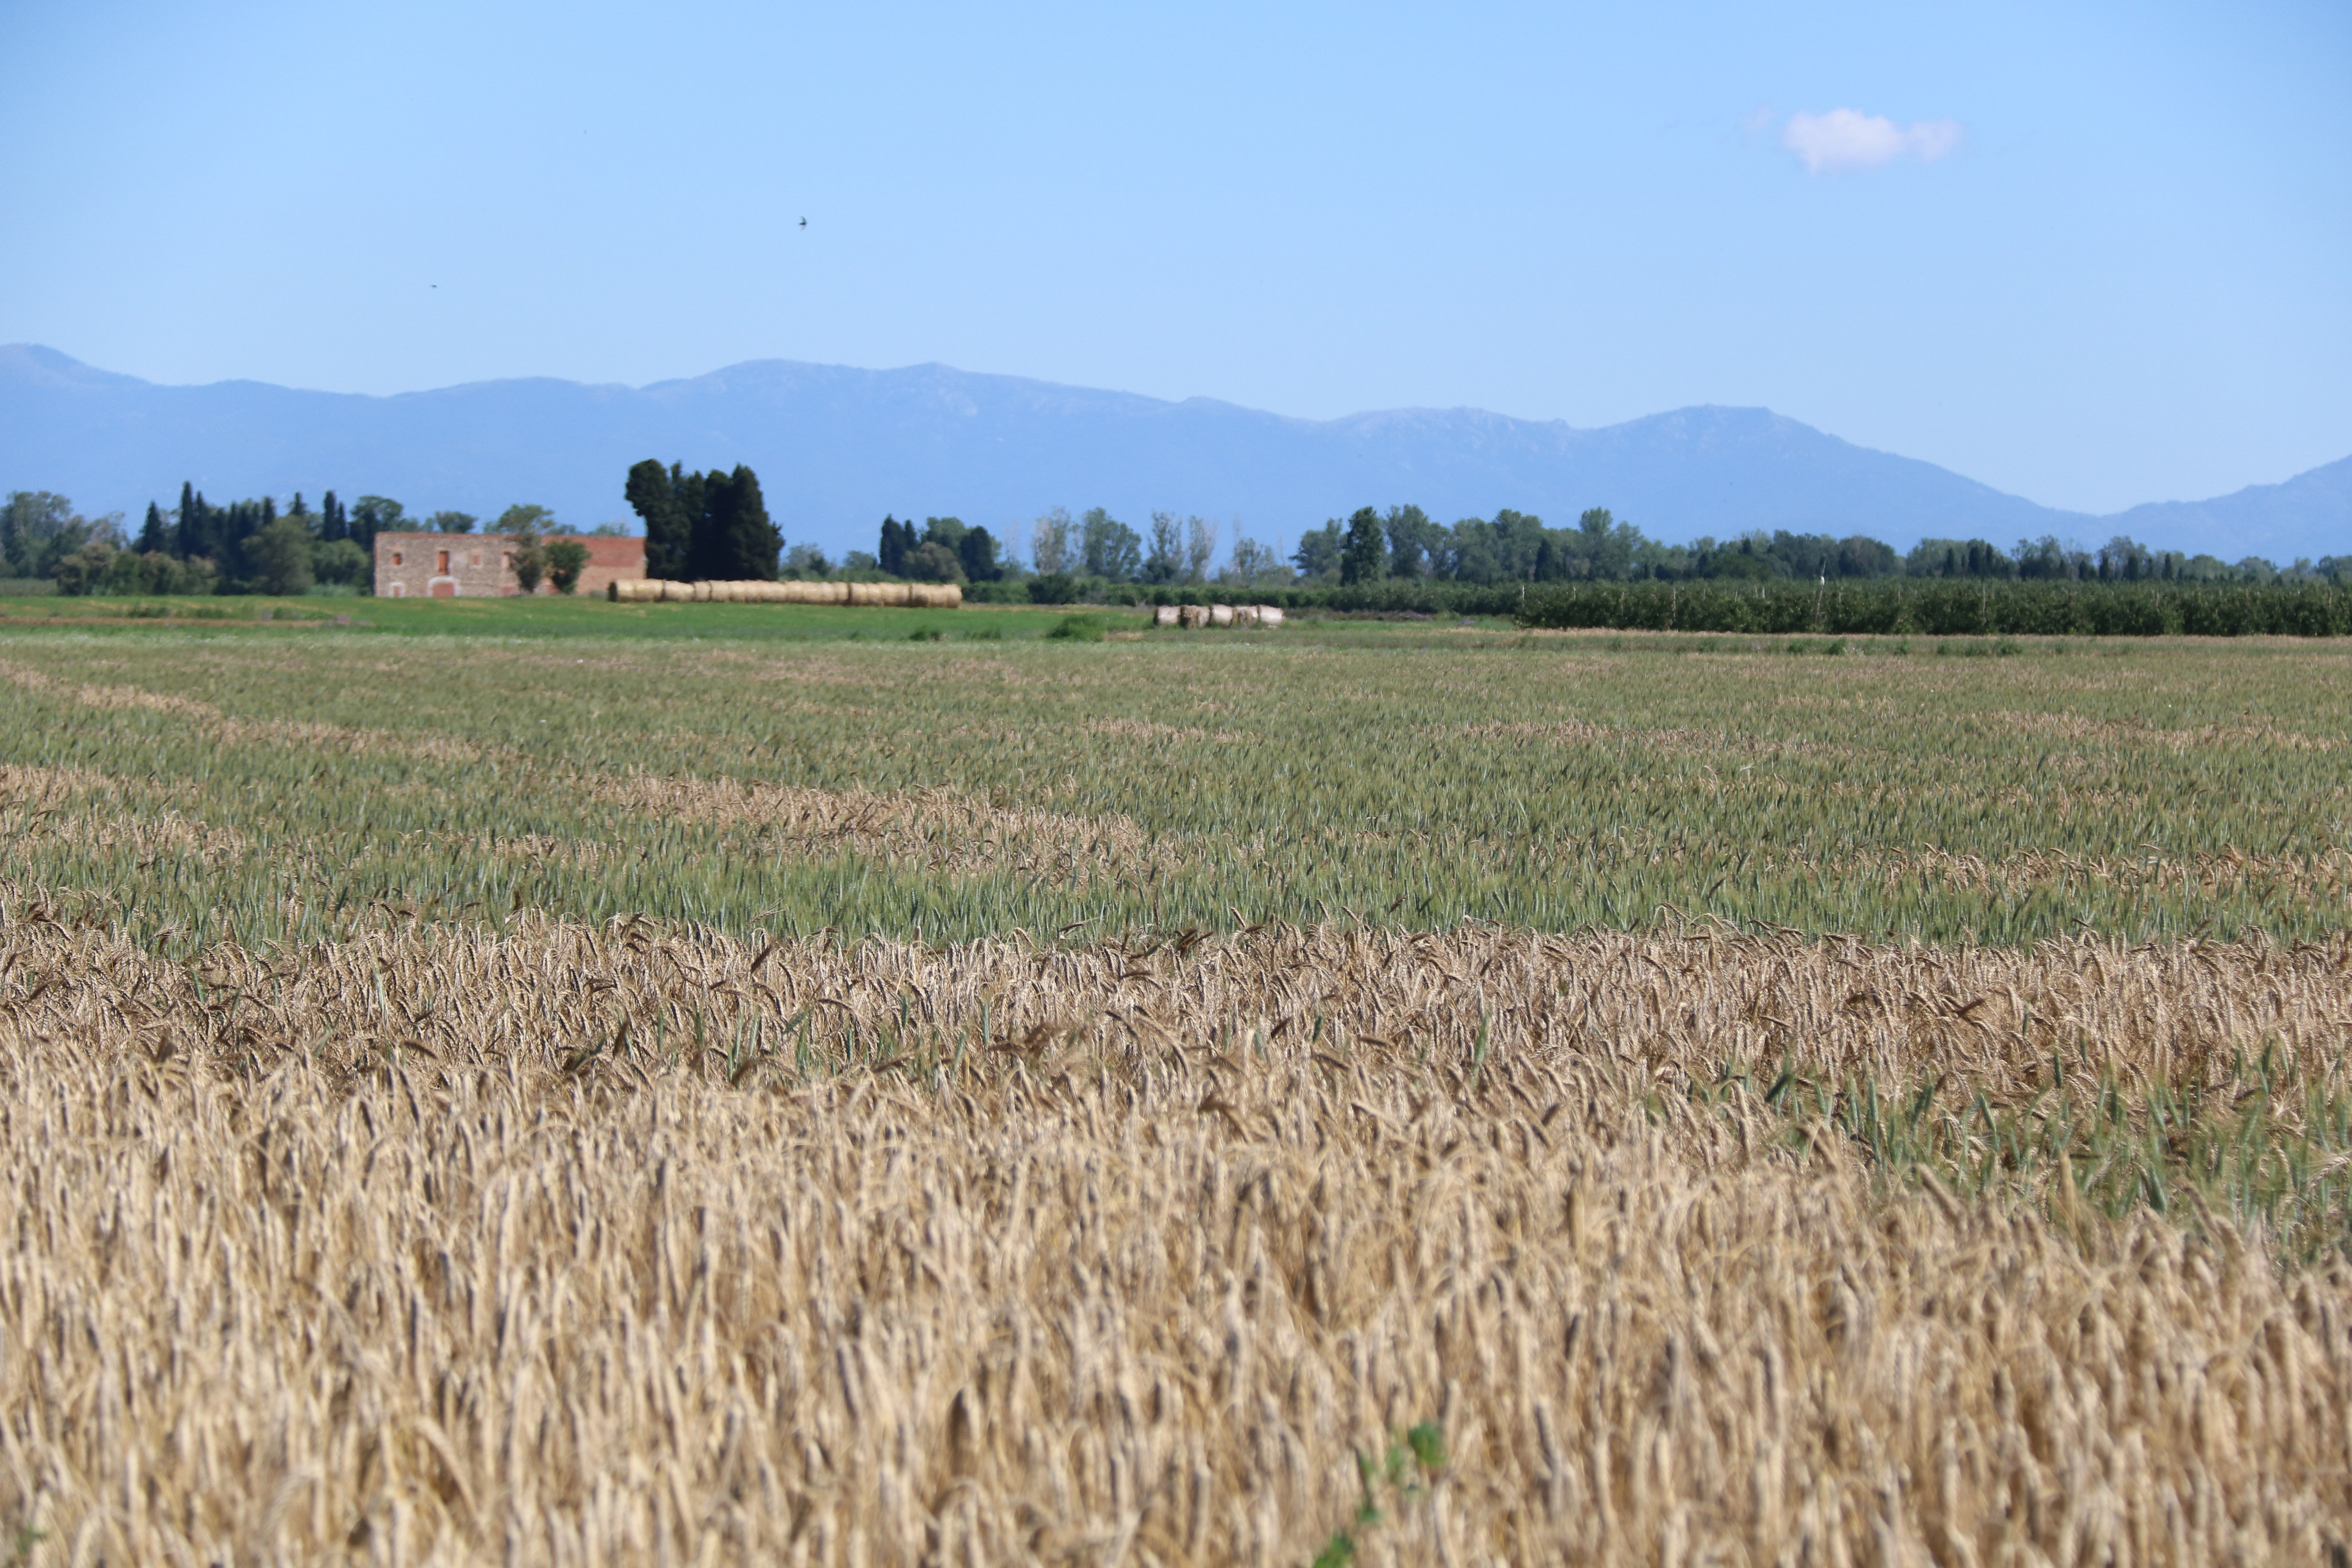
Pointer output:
1221, 614
1269, 616
1165, 616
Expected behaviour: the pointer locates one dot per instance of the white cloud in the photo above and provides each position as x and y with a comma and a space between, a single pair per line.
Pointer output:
1845, 140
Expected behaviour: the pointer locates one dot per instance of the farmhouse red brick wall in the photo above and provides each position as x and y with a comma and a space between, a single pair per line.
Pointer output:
481, 565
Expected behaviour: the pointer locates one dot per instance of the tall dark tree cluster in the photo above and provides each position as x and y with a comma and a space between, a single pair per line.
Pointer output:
704, 527
947, 550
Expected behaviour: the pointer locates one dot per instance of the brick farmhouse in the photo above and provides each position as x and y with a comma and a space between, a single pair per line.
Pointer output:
481, 565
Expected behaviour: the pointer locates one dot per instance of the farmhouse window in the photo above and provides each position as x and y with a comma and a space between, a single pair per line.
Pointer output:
395, 558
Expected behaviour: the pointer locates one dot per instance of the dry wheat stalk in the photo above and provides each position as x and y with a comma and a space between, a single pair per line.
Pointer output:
399, 1249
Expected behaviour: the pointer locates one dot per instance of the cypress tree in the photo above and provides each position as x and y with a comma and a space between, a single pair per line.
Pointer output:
192, 523
653, 494
751, 541
891, 554
708, 556
152, 540
330, 516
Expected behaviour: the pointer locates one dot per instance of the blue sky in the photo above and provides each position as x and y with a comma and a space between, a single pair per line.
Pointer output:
2094, 254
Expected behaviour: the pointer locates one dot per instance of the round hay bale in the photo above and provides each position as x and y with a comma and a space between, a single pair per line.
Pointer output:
1165, 616
676, 593
1221, 614
1192, 616
934, 596
1269, 616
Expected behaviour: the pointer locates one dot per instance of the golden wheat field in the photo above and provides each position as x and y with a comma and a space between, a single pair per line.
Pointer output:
452, 1132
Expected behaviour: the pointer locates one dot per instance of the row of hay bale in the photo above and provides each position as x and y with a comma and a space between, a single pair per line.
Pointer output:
907, 595
1217, 615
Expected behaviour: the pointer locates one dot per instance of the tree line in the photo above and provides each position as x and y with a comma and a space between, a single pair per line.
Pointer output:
249, 546
1372, 546
1095, 551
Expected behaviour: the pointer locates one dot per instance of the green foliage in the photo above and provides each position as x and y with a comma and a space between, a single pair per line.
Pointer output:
977, 550
1107, 547
710, 527
337, 561
454, 522
739, 543
38, 529
1050, 548
526, 556
1949, 608
279, 557
1364, 557
653, 495
1164, 562
566, 559
2257, 1140
1079, 628
371, 515
1054, 588
1401, 1479
891, 550
1318, 553
931, 561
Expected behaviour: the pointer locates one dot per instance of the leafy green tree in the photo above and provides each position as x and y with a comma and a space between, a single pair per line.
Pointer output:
1364, 557
566, 559
1318, 552
452, 522
338, 561
278, 554
1200, 548
83, 570
653, 494
1109, 548
1253, 565
931, 561
521, 519
1049, 543
1416, 545
38, 528
371, 515
808, 560
1163, 562
526, 552
945, 530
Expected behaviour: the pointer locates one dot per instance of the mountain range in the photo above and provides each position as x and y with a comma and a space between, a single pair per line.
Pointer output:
838, 447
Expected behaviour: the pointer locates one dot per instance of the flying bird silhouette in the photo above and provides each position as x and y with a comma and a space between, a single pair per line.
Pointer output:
805, 222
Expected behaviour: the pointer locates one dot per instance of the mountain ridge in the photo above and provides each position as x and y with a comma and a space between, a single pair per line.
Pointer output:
836, 447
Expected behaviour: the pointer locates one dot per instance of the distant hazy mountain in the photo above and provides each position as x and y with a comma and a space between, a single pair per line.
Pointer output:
836, 447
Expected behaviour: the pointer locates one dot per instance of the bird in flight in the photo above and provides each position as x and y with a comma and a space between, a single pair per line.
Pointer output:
805, 222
